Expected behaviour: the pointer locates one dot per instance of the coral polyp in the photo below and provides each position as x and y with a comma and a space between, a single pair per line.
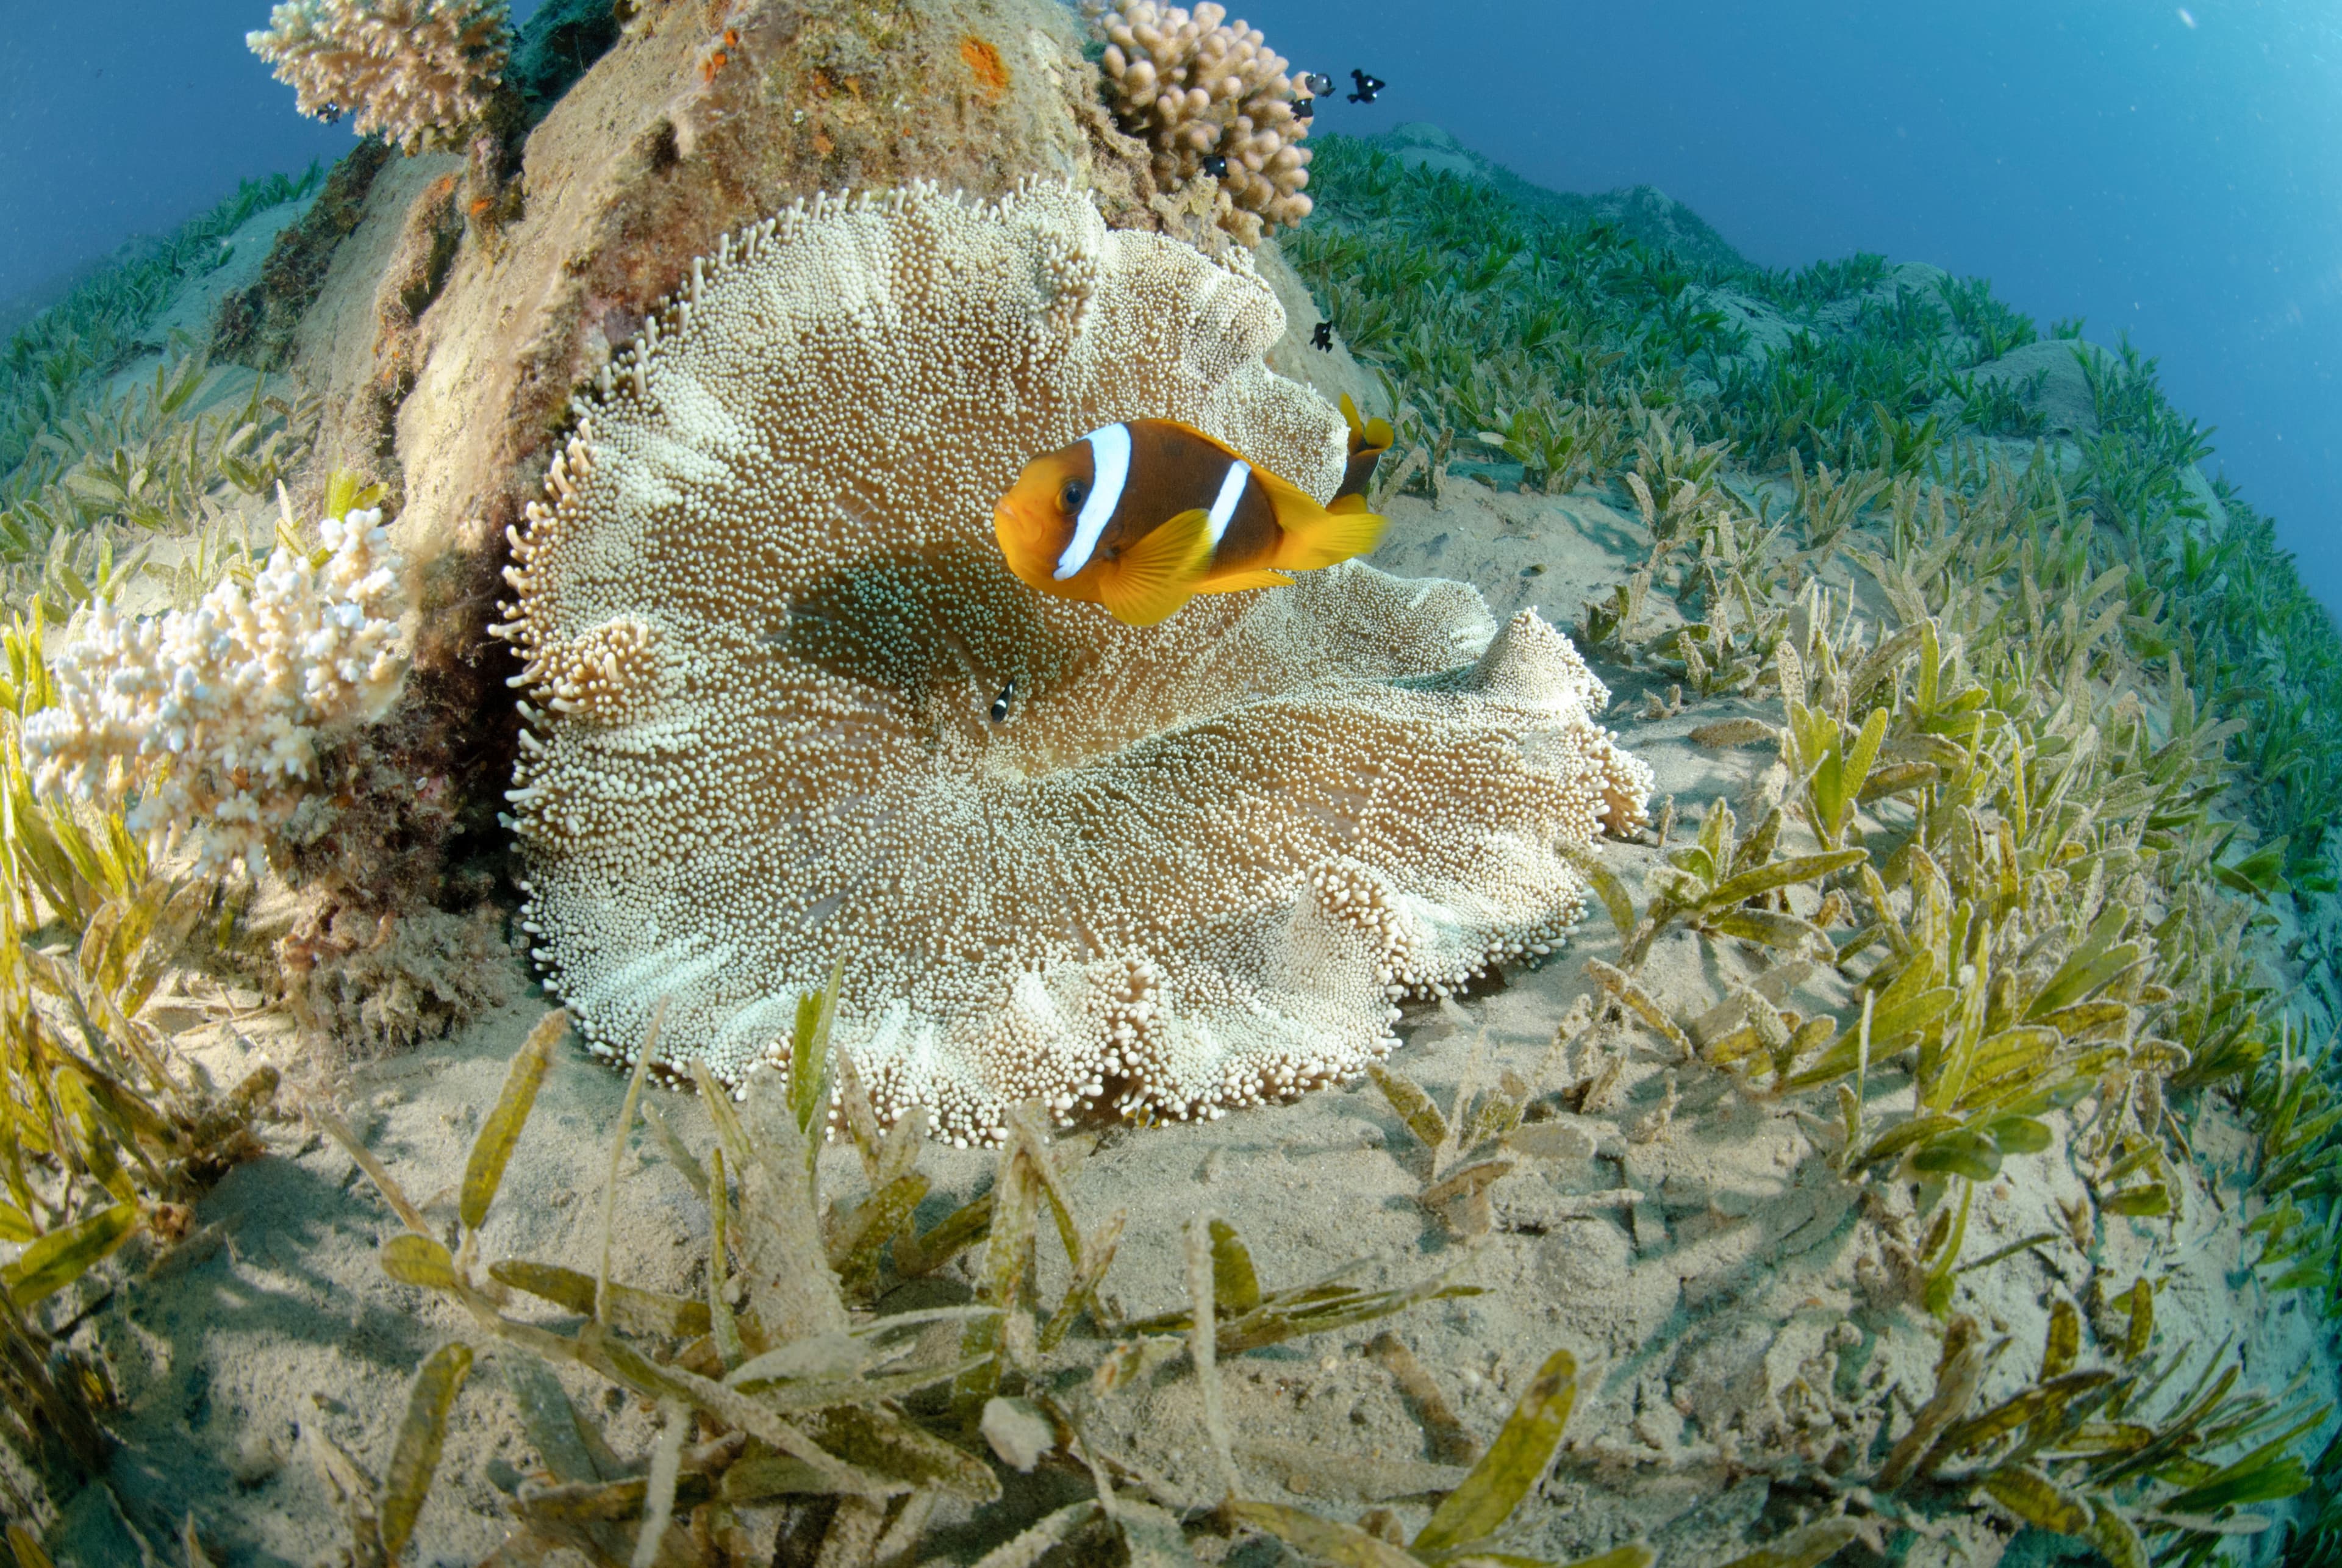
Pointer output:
410, 71
1208, 97
214, 718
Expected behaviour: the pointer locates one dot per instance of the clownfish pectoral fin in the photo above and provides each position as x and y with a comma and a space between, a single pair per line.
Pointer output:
1263, 578
1155, 576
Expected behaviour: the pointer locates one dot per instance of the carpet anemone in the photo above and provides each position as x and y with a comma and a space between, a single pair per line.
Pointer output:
786, 708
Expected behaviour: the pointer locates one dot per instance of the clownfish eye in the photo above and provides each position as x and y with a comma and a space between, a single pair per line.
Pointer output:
1075, 491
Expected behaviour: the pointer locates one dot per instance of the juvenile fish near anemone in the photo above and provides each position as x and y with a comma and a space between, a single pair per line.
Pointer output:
1142, 515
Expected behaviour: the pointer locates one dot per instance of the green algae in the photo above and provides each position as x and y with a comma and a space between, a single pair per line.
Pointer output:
2007, 685
106, 1134
812, 1396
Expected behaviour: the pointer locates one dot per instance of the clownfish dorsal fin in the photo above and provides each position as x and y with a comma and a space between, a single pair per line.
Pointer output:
1262, 578
1205, 437
1156, 575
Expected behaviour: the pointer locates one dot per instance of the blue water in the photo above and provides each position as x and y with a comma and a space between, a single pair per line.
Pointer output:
2180, 181
2183, 182
133, 126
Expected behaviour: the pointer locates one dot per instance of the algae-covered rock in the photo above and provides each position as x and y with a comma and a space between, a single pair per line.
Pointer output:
254, 325
678, 134
446, 368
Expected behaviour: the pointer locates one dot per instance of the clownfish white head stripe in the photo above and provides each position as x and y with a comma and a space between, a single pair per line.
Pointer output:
1224, 504
1110, 469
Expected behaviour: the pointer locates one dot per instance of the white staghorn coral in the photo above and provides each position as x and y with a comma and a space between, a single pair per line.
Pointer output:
1193, 85
766, 628
409, 70
212, 717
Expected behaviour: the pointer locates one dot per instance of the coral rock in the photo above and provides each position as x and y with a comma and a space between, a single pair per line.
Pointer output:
1196, 863
451, 386
374, 984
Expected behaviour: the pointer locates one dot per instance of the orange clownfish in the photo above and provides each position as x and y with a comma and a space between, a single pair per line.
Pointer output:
1141, 516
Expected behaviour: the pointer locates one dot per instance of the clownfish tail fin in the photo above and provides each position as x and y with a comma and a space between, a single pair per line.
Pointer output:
1317, 535
1328, 537
1374, 435
1370, 439
1156, 575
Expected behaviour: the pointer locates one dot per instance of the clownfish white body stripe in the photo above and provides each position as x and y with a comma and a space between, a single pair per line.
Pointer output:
1141, 516
1224, 504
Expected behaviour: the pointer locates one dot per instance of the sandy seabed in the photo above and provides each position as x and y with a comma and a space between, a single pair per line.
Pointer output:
1730, 1299
1729, 1295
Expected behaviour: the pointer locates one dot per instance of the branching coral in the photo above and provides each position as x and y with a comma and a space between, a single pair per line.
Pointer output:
1193, 86
213, 718
409, 70
766, 628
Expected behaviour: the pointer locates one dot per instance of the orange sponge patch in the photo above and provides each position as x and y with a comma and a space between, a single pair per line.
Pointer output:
984, 60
